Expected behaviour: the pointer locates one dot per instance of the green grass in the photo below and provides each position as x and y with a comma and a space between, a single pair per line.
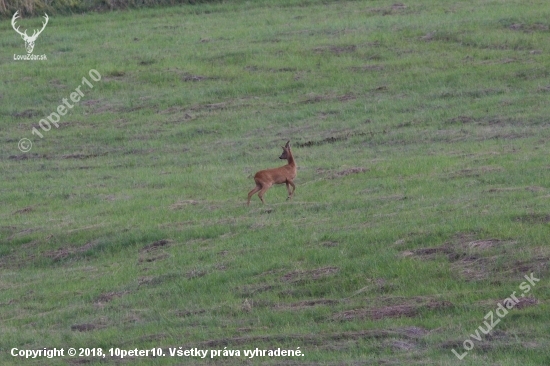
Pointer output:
422, 193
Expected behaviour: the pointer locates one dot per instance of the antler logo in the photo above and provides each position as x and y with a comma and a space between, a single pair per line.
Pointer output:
29, 41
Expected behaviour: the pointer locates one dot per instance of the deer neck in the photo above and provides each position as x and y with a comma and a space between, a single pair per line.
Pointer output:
290, 160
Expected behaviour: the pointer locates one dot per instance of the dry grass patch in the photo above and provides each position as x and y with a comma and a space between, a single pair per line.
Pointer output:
314, 274
306, 304
321, 339
536, 264
409, 308
186, 313
365, 68
108, 297
65, 252
349, 171
181, 204
474, 259
474, 172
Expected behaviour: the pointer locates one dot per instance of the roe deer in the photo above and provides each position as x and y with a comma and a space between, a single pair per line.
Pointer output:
266, 178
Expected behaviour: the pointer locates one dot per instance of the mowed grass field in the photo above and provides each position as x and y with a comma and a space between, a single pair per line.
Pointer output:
423, 198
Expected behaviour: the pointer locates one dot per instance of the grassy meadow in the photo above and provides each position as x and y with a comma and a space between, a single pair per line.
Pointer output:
420, 130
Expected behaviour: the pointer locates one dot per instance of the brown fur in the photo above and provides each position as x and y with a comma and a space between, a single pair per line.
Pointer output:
266, 178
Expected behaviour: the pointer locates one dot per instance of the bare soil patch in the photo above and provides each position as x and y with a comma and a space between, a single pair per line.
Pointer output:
87, 327
461, 119
502, 121
91, 102
147, 62
24, 210
316, 98
156, 245
365, 68
191, 77
284, 69
325, 115
525, 302
28, 156
336, 50
109, 296
346, 97
27, 113
474, 172
329, 140
393, 197
209, 107
253, 68
490, 120
533, 218
152, 258
513, 189
82, 156
495, 339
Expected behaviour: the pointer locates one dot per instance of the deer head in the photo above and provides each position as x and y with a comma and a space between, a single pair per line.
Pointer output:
286, 151
29, 41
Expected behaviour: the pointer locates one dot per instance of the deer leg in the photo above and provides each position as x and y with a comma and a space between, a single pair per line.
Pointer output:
252, 192
290, 194
288, 190
262, 192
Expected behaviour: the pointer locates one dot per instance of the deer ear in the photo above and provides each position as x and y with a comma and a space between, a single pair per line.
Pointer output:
287, 143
